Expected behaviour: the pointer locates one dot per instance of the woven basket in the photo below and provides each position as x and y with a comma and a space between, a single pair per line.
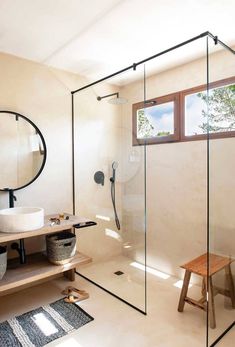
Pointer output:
61, 247
3, 261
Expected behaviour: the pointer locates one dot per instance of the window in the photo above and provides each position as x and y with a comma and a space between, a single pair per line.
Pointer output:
195, 108
183, 116
154, 121
220, 114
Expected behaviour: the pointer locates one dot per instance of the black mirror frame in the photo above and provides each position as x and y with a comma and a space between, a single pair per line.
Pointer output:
44, 146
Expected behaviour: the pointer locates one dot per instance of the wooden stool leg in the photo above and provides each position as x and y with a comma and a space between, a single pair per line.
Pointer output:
230, 282
184, 290
204, 287
211, 305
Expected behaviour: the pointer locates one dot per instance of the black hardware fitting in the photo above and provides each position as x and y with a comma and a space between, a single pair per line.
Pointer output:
84, 224
118, 273
20, 249
151, 102
99, 177
216, 40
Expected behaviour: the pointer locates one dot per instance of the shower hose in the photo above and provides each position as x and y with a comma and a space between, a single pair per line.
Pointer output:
114, 203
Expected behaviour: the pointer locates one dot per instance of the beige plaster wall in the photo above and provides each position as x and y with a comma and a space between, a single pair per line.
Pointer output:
43, 95
100, 140
176, 179
96, 145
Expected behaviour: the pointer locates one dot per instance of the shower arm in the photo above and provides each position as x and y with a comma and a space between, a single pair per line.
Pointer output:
106, 96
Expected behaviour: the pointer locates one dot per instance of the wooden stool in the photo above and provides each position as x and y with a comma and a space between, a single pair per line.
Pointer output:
199, 267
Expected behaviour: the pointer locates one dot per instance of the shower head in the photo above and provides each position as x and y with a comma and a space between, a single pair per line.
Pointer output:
114, 165
115, 101
114, 168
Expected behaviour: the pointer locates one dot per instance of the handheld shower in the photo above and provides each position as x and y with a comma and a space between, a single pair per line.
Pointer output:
114, 167
112, 180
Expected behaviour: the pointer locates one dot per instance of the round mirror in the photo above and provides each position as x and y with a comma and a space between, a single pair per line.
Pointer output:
23, 151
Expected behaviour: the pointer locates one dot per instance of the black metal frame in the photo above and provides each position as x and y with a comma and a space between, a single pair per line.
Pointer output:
223, 334
114, 295
134, 65
206, 34
45, 151
73, 157
207, 192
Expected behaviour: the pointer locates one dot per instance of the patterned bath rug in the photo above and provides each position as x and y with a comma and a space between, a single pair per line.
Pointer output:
39, 327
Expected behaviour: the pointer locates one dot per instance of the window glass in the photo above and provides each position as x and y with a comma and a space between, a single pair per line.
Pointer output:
155, 121
221, 116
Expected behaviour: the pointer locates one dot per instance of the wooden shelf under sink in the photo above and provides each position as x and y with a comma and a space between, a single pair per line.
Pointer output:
37, 268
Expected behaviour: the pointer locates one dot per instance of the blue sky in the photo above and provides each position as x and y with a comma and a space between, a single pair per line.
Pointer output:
193, 114
161, 117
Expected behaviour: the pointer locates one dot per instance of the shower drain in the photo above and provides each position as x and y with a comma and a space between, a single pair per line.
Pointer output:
118, 273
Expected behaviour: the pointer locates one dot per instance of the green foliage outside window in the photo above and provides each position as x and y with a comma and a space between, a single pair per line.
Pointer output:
144, 127
221, 110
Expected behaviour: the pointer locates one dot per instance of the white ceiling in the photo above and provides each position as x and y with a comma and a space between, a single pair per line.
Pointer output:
97, 37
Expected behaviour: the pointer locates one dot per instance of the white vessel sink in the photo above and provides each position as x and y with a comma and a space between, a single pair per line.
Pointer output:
20, 219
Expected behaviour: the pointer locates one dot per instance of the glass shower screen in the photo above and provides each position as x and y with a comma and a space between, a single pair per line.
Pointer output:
221, 168
179, 102
110, 186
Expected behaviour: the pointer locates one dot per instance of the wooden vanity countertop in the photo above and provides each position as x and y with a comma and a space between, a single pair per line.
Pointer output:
46, 229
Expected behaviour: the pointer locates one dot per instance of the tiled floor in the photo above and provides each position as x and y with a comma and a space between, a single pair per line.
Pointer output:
117, 324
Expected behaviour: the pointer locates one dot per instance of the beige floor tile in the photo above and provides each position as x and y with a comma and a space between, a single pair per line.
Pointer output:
117, 324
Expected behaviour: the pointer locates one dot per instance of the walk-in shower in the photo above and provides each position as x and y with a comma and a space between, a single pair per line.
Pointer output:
174, 179
103, 143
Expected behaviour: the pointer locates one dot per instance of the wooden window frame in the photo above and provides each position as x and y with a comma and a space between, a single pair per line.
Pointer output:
179, 116
150, 103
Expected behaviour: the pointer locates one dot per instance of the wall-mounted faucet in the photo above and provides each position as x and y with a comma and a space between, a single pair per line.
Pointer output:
99, 177
12, 198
